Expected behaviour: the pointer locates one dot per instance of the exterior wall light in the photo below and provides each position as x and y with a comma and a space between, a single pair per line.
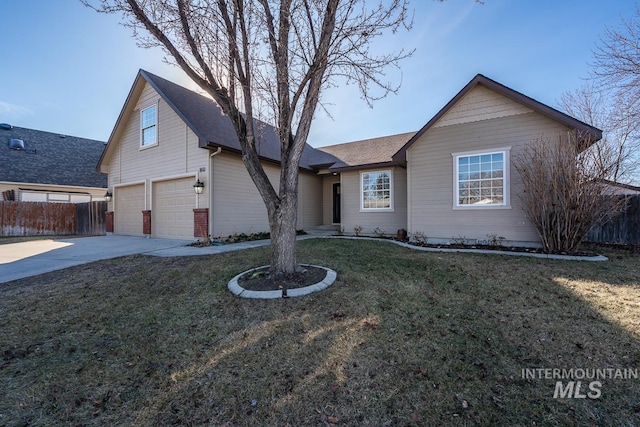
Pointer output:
198, 187
108, 196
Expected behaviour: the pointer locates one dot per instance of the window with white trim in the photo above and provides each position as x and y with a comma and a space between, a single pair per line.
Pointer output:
376, 191
149, 126
481, 179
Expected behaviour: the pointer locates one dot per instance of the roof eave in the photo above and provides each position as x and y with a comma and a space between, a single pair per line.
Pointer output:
213, 146
112, 136
142, 75
367, 166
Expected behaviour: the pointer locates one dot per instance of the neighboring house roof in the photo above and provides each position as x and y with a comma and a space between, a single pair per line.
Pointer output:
212, 127
366, 153
50, 158
585, 131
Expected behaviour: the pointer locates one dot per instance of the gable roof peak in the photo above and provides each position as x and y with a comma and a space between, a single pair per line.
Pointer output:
206, 119
587, 132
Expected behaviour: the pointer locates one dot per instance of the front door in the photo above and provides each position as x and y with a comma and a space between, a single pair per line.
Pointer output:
336, 203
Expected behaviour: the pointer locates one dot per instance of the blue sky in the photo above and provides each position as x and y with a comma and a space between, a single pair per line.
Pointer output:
68, 69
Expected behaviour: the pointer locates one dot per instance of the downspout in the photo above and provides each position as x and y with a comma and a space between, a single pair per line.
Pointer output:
211, 189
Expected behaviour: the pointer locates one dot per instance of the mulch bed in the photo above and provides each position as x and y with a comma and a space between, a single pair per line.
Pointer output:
259, 280
520, 249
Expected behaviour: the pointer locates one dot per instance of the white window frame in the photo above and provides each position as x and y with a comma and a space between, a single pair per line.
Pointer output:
506, 180
365, 209
142, 128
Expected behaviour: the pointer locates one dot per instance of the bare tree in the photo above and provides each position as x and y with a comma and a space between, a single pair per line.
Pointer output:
616, 155
616, 94
563, 194
617, 56
271, 59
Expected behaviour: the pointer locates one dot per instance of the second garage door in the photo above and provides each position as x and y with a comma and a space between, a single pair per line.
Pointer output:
172, 212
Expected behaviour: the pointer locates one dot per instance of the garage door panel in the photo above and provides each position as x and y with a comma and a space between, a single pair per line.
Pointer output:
174, 201
129, 204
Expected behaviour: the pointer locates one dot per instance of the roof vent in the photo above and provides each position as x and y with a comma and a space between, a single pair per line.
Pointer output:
16, 144
5, 126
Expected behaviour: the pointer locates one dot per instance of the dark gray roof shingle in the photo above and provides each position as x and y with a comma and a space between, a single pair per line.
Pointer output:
367, 152
215, 129
50, 158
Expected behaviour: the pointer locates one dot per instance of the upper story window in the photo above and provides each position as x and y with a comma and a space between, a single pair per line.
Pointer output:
481, 179
149, 126
376, 191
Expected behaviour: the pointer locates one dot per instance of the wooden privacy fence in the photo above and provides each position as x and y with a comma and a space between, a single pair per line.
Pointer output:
624, 228
91, 218
48, 219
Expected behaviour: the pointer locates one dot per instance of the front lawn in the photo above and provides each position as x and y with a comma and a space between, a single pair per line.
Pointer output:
402, 338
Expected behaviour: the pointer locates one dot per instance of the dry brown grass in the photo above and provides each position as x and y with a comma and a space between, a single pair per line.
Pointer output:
403, 338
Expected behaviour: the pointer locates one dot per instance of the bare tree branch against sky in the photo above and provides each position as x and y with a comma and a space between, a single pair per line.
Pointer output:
67, 69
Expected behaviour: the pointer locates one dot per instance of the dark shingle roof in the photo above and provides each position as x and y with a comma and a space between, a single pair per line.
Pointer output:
368, 152
214, 129
50, 158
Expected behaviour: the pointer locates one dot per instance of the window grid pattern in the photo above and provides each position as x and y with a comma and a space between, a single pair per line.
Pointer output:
148, 120
376, 190
481, 179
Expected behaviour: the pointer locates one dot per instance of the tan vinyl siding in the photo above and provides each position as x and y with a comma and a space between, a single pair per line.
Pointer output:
430, 162
310, 209
481, 104
388, 221
177, 152
237, 205
327, 198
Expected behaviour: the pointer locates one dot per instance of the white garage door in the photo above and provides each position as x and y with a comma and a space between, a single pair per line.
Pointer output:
129, 204
173, 204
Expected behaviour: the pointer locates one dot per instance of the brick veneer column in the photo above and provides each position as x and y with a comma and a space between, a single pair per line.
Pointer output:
146, 222
201, 222
109, 221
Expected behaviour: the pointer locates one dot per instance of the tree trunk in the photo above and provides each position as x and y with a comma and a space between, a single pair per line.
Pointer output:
282, 224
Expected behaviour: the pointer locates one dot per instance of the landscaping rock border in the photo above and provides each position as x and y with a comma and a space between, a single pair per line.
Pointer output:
480, 251
238, 290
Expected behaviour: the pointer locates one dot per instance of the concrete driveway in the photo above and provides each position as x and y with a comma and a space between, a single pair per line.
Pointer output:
20, 260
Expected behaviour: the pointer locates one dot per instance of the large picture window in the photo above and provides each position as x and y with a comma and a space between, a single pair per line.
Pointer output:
376, 193
481, 179
149, 126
